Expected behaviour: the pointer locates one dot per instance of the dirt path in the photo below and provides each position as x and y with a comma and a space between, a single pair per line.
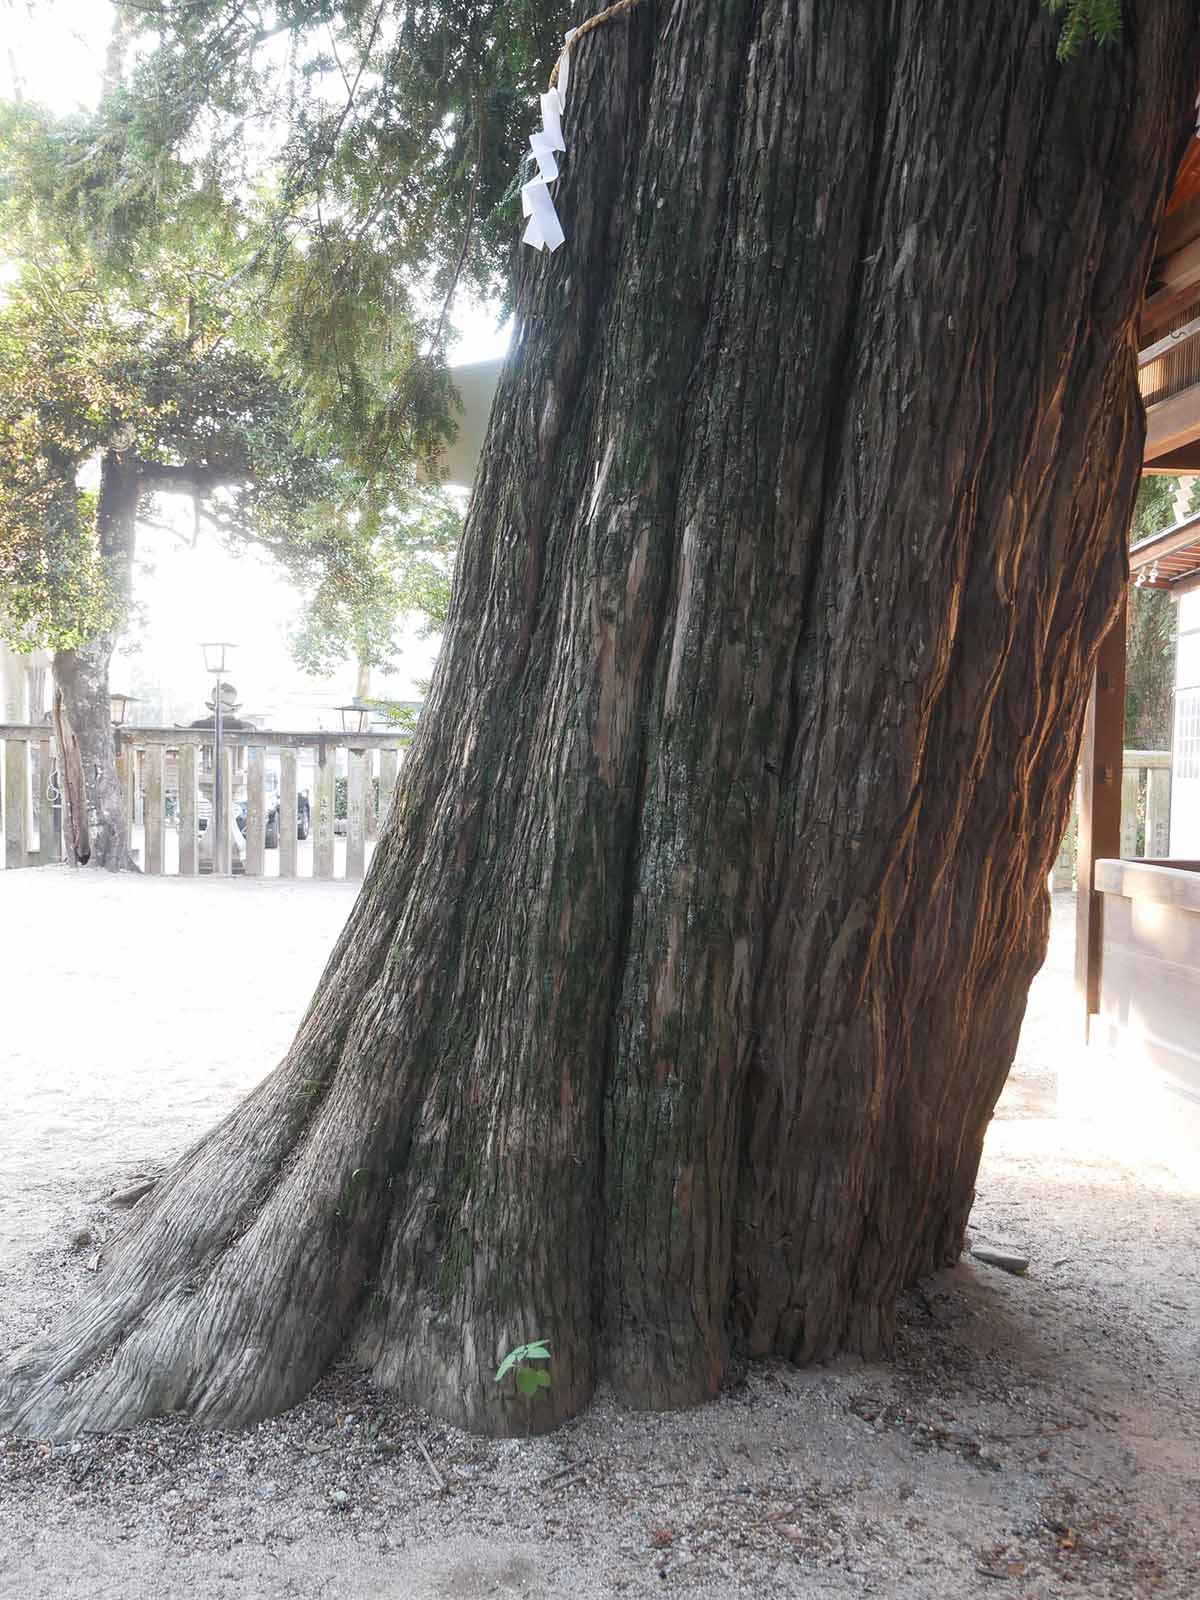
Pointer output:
1035, 1437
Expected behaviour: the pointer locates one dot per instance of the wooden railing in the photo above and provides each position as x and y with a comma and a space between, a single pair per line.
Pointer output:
167, 778
272, 831
1145, 813
32, 815
1169, 360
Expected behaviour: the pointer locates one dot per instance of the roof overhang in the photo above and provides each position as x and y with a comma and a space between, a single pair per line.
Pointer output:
1168, 560
1169, 357
476, 384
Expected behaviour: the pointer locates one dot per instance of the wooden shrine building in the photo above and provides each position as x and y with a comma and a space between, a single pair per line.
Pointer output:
1138, 922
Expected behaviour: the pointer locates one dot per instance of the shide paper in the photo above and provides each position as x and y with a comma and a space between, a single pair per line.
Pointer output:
543, 230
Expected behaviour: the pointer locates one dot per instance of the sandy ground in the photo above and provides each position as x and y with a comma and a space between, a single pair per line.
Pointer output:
1034, 1437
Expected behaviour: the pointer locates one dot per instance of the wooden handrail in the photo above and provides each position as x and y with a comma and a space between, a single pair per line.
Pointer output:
1170, 341
261, 738
269, 738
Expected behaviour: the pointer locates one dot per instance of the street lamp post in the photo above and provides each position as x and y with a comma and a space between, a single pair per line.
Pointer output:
214, 662
118, 706
355, 717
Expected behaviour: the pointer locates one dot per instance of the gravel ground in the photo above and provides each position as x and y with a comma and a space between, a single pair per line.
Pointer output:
1034, 1437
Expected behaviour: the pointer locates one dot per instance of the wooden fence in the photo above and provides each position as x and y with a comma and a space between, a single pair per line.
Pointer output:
167, 774
167, 777
1145, 814
32, 816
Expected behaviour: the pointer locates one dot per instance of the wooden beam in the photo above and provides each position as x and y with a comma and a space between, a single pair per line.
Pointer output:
388, 764
1179, 227
1170, 341
1178, 277
49, 843
16, 784
1158, 811
287, 814
268, 738
1102, 760
322, 815
1157, 545
222, 826
1176, 463
153, 812
1172, 423
256, 812
242, 738
356, 814
189, 855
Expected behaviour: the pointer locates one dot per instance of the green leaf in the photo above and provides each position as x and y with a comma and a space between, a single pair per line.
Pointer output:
536, 1350
1099, 18
509, 1362
527, 1381
542, 1379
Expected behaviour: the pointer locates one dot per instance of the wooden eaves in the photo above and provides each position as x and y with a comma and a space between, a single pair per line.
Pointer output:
1169, 378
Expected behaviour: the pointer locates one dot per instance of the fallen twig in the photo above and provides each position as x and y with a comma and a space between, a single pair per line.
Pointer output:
429, 1462
568, 1471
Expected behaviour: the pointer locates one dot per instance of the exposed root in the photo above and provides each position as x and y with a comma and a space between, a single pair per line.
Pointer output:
228, 1292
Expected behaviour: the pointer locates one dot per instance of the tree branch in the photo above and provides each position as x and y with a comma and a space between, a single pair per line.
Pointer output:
164, 478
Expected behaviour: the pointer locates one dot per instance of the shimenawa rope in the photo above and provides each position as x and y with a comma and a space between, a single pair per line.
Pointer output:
543, 230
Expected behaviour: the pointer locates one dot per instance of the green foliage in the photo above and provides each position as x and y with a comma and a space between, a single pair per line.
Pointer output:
52, 400
528, 1378
138, 321
1153, 624
93, 369
386, 134
404, 551
1099, 20
402, 715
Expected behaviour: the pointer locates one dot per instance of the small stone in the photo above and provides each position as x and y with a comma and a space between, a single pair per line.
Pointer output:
1006, 1260
80, 1239
339, 1498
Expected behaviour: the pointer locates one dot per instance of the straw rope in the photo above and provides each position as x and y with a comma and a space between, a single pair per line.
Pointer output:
586, 27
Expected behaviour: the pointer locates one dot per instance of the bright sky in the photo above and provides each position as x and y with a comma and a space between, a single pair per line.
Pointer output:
56, 49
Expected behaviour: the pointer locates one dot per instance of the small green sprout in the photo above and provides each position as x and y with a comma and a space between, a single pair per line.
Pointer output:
529, 1379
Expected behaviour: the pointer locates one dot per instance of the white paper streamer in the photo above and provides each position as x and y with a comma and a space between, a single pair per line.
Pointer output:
543, 230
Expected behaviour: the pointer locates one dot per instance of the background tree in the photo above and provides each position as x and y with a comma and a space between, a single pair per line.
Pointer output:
692, 960
1153, 627
141, 331
406, 564
389, 135
171, 408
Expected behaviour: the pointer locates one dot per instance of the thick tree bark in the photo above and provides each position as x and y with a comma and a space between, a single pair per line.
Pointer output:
693, 956
96, 823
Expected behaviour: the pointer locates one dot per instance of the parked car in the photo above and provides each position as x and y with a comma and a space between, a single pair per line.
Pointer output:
303, 819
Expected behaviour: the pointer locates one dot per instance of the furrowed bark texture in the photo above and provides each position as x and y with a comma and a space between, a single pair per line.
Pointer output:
693, 955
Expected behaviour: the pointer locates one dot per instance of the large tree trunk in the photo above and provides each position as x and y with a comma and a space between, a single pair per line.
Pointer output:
692, 960
94, 811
